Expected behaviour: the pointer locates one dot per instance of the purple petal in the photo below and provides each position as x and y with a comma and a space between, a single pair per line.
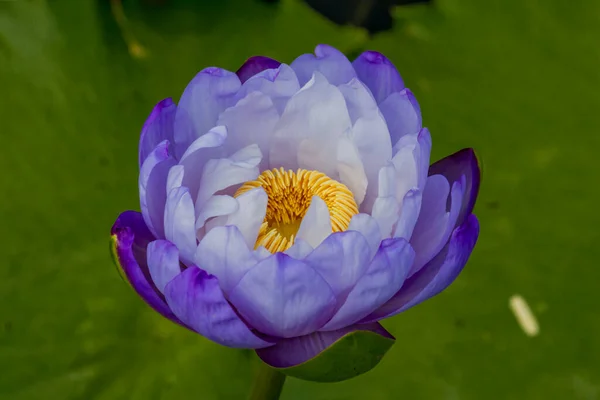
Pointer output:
254, 65
294, 351
196, 298
210, 92
402, 114
152, 187
424, 141
284, 297
130, 239
341, 260
379, 74
163, 263
329, 61
158, 127
383, 279
462, 163
437, 275
435, 222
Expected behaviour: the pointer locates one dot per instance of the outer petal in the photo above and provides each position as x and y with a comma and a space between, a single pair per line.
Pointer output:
341, 260
284, 297
254, 65
152, 187
328, 61
437, 275
402, 114
379, 74
158, 127
294, 351
196, 298
462, 163
308, 131
163, 262
130, 237
382, 280
435, 223
210, 92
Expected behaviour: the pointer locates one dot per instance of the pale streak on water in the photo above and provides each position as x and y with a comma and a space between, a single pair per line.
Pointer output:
525, 317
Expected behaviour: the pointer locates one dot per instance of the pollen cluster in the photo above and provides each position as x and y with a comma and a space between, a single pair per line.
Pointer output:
290, 194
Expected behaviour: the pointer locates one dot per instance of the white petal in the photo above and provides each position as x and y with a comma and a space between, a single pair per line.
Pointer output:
308, 131
279, 84
316, 224
213, 138
385, 212
216, 206
405, 162
411, 207
203, 149
250, 215
175, 177
386, 208
372, 139
359, 100
369, 228
225, 172
180, 221
350, 168
224, 254
250, 121
299, 249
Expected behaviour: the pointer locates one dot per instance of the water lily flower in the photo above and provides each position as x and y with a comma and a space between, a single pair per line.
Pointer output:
285, 206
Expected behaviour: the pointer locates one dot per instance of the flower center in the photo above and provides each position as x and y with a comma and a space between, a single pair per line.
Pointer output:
290, 194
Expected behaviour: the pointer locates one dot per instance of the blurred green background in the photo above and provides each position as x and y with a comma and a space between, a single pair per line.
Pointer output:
517, 80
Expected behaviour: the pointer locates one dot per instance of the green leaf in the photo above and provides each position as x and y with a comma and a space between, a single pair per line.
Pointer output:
352, 355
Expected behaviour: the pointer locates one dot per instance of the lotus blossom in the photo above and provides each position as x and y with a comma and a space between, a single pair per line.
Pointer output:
284, 206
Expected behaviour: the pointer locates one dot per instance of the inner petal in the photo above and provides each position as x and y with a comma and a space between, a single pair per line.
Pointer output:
289, 197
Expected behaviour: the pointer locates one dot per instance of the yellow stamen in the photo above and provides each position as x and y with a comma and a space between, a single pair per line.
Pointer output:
290, 194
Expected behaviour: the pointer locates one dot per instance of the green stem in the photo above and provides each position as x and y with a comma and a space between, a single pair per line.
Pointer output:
268, 383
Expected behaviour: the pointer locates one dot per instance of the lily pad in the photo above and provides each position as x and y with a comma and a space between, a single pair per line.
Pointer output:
353, 354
